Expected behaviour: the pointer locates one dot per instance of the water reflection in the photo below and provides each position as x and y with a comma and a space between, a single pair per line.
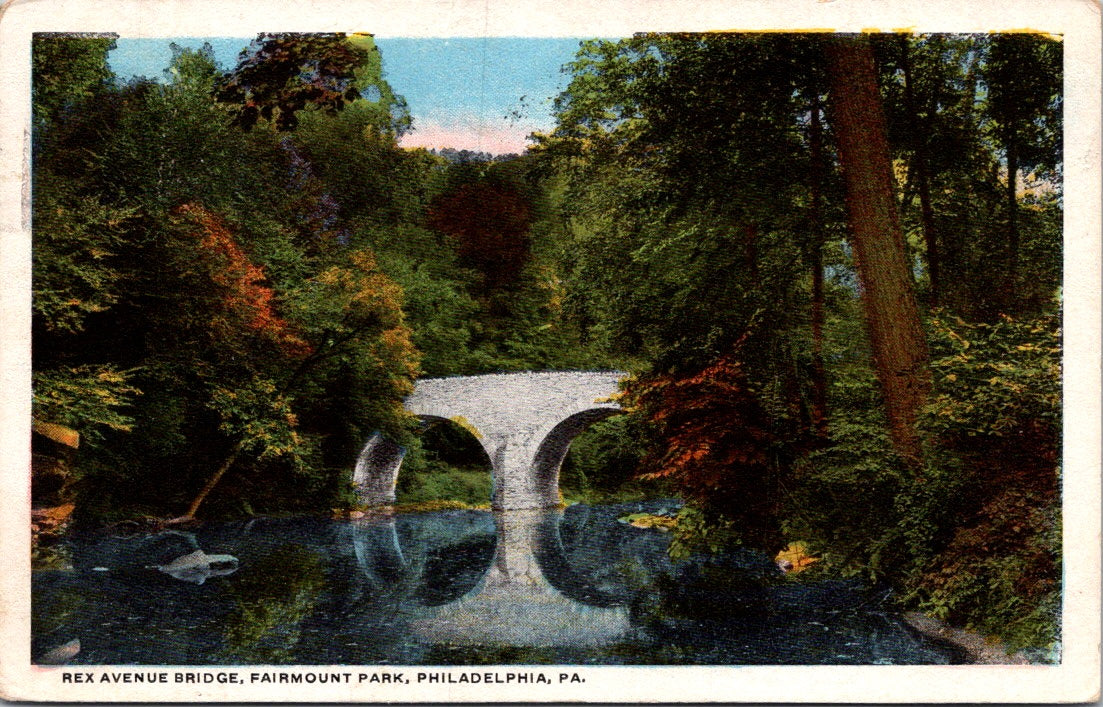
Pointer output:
451, 587
520, 601
429, 559
267, 621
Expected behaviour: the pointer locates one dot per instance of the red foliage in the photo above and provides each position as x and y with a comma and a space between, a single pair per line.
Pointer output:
716, 443
490, 223
245, 301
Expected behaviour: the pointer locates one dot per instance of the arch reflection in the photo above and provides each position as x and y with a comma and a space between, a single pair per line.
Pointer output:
534, 577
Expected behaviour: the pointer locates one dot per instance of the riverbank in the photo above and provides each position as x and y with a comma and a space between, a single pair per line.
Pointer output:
981, 650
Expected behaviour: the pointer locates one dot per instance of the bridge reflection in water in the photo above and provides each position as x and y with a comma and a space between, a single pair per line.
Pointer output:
456, 588
522, 586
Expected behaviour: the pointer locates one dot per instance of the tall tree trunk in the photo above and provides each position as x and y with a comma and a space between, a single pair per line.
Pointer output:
930, 235
228, 462
899, 348
1011, 280
919, 135
815, 218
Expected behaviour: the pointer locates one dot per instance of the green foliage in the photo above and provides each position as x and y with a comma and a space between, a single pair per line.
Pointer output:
698, 531
1001, 574
438, 481
442, 317
1024, 73
682, 235
75, 241
66, 68
962, 111
843, 492
994, 380
255, 413
171, 144
193, 70
90, 399
374, 89
370, 179
444, 463
997, 407
975, 539
603, 461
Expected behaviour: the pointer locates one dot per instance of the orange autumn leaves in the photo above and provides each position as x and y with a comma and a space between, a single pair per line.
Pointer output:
245, 299
714, 443
351, 304
711, 423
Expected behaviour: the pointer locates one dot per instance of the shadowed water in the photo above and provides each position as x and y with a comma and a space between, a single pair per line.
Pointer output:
452, 588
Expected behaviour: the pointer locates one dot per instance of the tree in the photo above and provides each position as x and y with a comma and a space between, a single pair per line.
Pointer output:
357, 158
892, 316
684, 185
701, 212
255, 363
950, 102
919, 137
77, 238
282, 74
490, 221
1023, 74
817, 231
173, 257
719, 446
67, 68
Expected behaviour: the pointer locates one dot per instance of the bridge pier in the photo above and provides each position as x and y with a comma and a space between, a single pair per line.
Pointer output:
516, 487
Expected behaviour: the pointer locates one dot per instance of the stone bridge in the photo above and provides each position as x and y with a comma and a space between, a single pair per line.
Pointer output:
524, 421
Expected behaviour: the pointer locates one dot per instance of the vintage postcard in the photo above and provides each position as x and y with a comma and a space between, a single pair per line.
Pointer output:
624, 351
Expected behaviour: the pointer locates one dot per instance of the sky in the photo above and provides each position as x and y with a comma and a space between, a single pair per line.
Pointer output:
483, 94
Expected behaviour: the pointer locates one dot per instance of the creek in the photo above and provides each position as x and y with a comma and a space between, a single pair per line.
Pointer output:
573, 586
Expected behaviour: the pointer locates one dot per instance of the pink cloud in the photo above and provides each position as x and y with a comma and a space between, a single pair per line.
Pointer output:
477, 137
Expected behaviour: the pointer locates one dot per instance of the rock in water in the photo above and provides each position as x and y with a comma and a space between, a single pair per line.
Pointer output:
60, 655
198, 566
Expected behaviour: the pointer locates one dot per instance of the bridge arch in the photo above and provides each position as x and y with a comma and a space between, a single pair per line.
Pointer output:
524, 421
553, 450
375, 475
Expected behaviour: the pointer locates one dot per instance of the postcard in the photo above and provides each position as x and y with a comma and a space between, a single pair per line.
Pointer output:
622, 352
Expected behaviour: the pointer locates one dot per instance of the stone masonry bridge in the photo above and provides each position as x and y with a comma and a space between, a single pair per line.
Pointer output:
524, 421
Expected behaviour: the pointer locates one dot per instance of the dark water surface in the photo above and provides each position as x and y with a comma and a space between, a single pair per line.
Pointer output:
452, 588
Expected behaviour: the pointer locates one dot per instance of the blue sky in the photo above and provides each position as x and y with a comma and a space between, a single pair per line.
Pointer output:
462, 92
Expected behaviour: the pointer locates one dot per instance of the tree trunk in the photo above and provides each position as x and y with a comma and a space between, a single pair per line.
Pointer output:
1011, 279
919, 135
930, 235
750, 253
235, 452
900, 353
815, 218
